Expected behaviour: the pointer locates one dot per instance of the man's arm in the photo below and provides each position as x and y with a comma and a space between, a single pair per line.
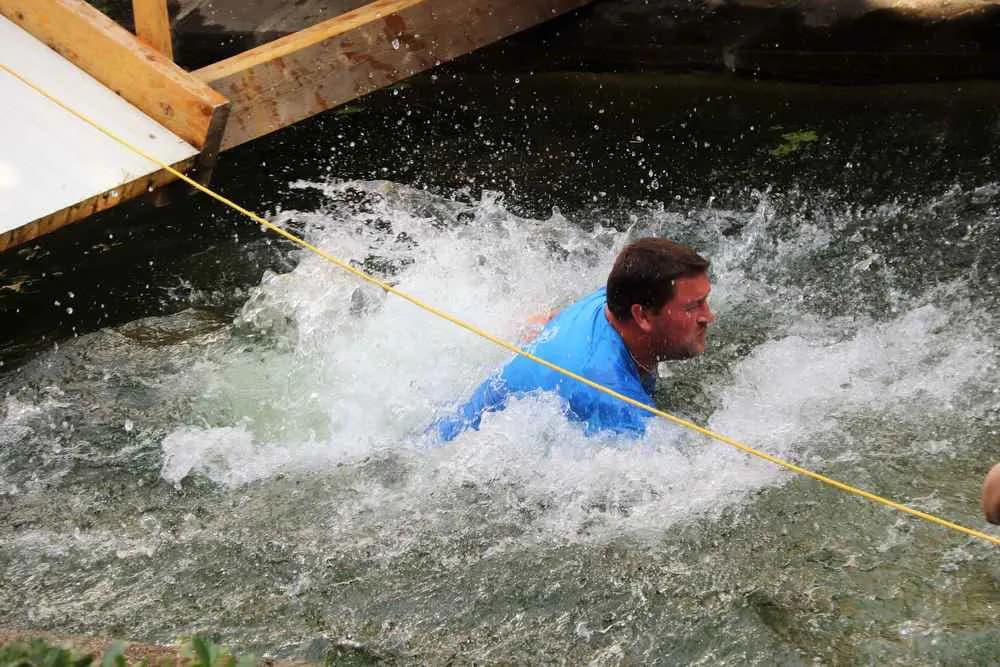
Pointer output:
490, 396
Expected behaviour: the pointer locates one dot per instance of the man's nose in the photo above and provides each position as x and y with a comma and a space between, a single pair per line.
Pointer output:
708, 317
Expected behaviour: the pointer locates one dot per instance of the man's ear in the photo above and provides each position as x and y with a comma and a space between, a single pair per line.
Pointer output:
641, 317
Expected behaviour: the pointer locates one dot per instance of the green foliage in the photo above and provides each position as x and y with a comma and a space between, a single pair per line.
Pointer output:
39, 653
196, 652
793, 142
115, 656
203, 652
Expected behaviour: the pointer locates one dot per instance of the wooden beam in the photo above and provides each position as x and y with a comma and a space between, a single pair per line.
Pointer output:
333, 62
87, 207
152, 25
117, 59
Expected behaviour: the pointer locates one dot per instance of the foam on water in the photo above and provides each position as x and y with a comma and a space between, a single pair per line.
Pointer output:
278, 459
793, 387
325, 372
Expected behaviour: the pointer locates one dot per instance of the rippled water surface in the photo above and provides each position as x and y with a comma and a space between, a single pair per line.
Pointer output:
232, 440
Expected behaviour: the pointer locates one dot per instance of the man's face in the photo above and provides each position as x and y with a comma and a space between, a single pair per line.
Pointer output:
678, 330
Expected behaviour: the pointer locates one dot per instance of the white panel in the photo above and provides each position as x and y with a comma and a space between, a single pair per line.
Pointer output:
49, 159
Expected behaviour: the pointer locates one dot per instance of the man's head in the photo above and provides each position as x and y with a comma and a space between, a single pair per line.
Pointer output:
659, 289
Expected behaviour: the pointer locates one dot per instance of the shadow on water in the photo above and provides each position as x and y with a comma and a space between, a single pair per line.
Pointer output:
231, 430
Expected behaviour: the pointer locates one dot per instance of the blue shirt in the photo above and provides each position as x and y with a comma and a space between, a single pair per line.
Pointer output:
579, 339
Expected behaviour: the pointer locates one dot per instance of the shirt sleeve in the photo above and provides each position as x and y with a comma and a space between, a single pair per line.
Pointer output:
491, 395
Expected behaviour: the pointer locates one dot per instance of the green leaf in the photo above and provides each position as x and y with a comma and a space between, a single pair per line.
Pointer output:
204, 651
800, 137
348, 109
114, 656
39, 653
793, 142
247, 661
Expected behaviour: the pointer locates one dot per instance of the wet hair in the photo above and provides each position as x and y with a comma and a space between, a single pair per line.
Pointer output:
644, 274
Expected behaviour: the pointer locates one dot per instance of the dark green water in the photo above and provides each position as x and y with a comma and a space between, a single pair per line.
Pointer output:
225, 436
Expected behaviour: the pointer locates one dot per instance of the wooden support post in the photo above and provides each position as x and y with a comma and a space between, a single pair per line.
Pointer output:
152, 25
284, 81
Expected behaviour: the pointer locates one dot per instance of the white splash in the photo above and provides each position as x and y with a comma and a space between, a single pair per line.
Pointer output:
353, 375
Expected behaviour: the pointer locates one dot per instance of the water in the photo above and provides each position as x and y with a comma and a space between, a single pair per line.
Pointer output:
246, 457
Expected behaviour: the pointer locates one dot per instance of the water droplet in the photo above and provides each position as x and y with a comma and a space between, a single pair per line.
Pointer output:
395, 44
129, 425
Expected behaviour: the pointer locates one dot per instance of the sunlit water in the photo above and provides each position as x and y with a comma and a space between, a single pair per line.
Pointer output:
268, 478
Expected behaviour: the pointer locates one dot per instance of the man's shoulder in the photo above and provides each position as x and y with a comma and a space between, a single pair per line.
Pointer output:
583, 311
596, 299
591, 346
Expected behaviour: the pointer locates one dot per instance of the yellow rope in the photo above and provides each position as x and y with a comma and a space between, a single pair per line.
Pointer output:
510, 346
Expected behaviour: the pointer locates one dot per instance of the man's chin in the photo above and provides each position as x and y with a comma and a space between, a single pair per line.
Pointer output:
696, 348
684, 353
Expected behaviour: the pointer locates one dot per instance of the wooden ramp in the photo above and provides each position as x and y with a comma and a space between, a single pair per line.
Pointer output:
53, 166
55, 169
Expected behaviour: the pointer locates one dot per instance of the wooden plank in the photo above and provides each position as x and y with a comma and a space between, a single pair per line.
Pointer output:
116, 58
333, 62
89, 206
152, 25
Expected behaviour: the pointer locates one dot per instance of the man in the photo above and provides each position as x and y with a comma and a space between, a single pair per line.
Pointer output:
654, 308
